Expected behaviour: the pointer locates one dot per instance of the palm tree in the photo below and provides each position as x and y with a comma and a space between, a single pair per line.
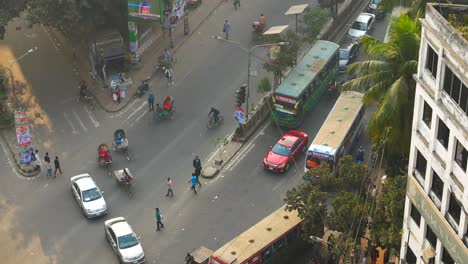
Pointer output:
387, 79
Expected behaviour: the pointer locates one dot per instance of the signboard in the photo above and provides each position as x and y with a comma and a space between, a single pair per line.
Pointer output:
285, 99
239, 115
450, 240
145, 9
22, 135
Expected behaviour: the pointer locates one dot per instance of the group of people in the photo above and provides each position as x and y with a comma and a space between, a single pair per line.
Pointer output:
48, 166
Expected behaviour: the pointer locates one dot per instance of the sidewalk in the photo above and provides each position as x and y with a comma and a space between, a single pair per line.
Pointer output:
145, 67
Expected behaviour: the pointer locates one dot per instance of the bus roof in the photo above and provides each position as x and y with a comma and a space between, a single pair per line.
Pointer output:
304, 72
338, 122
256, 238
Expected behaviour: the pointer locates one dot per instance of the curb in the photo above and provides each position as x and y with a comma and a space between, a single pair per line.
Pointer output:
17, 165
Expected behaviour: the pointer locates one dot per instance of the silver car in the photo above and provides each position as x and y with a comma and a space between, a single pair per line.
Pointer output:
88, 195
361, 26
124, 241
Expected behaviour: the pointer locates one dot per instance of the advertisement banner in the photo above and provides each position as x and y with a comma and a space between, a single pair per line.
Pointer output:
22, 135
20, 117
145, 9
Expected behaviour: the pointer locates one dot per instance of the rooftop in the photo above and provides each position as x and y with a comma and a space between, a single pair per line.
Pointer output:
456, 16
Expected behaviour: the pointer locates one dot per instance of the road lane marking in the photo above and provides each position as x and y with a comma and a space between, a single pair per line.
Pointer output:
137, 110
50, 38
142, 115
239, 157
69, 99
91, 117
74, 131
80, 122
127, 108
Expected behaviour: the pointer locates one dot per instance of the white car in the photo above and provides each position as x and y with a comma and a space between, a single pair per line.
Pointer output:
361, 26
88, 195
124, 241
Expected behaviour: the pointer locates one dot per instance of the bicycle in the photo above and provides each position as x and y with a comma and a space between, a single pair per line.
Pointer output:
211, 122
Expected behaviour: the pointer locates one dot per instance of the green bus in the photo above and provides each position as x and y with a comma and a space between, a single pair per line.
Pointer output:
305, 84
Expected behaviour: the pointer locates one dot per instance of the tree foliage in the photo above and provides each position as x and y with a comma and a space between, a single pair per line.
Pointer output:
348, 210
310, 203
388, 80
314, 20
389, 212
74, 18
287, 55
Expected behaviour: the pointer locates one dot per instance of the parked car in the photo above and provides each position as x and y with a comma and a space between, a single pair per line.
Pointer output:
375, 8
88, 195
124, 241
348, 53
361, 26
286, 150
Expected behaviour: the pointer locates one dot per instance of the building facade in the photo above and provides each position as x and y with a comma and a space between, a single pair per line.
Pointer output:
436, 207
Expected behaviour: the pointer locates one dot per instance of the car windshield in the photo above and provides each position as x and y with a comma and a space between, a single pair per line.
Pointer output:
127, 241
344, 54
359, 26
91, 195
281, 150
376, 2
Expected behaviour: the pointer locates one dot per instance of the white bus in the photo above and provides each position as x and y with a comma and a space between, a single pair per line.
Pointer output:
336, 136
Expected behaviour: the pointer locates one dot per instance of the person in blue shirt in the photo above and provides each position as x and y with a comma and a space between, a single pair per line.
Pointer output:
193, 181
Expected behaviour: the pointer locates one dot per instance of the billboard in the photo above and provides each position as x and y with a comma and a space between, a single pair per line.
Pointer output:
145, 9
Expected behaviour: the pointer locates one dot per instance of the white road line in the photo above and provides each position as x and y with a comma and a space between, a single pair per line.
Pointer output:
10, 162
136, 111
217, 149
69, 99
50, 38
74, 131
80, 122
91, 117
142, 115
240, 157
127, 108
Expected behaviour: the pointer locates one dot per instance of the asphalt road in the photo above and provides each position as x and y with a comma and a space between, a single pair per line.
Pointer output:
40, 221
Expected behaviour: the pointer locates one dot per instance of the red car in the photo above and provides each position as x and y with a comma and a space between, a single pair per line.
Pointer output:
288, 148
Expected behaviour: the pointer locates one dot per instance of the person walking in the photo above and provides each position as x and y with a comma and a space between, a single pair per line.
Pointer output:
227, 29
169, 74
236, 4
151, 101
46, 157
196, 163
48, 167
117, 93
159, 217
57, 166
193, 181
170, 185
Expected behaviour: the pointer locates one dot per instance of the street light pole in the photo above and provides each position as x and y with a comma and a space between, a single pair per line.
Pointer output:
16, 61
249, 52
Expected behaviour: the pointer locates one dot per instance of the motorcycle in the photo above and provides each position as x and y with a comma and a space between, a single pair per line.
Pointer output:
257, 27
144, 87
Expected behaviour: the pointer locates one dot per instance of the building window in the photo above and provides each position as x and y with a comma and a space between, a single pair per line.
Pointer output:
446, 258
431, 237
410, 256
421, 164
427, 114
456, 89
454, 210
461, 155
415, 215
431, 61
437, 188
443, 134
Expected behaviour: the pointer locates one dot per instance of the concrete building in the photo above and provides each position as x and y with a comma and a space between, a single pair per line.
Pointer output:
436, 208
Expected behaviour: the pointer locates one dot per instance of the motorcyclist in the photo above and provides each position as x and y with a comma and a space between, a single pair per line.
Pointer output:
215, 115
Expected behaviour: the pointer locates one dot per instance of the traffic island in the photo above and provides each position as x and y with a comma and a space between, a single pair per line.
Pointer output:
226, 151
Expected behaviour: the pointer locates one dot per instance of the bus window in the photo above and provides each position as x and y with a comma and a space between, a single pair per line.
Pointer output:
291, 236
313, 162
254, 260
280, 244
267, 254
